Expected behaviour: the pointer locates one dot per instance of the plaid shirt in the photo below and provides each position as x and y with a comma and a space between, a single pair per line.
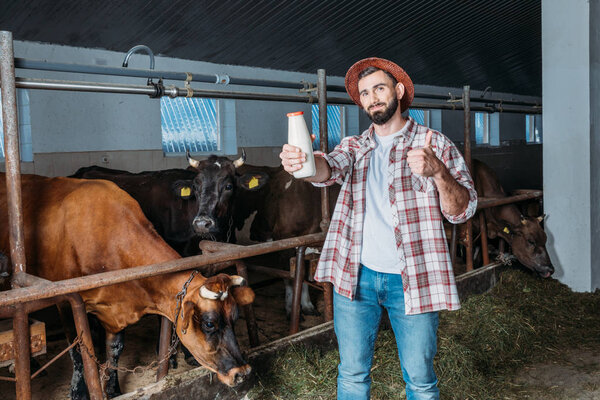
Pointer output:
427, 275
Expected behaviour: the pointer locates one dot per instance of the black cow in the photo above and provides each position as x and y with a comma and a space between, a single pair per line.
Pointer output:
185, 205
285, 207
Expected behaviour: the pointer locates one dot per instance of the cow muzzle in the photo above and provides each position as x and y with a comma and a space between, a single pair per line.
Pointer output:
235, 376
204, 224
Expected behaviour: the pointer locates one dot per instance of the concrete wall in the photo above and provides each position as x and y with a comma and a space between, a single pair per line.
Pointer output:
70, 129
570, 146
595, 137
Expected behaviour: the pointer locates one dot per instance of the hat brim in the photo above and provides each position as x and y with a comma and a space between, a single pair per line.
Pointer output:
401, 76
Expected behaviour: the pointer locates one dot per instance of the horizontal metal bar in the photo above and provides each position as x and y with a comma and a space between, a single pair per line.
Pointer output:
488, 202
172, 91
88, 282
41, 65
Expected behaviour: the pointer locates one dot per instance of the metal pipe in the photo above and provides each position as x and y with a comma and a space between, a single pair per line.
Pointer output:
297, 292
248, 310
41, 65
137, 49
22, 63
164, 342
173, 91
328, 299
484, 202
13, 161
90, 369
466, 100
483, 235
483, 100
323, 140
112, 277
22, 353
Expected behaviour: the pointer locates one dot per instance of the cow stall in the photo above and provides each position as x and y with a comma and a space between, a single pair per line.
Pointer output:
32, 293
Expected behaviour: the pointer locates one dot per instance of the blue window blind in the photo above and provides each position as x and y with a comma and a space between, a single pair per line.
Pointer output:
533, 128
334, 126
481, 128
418, 116
189, 123
25, 140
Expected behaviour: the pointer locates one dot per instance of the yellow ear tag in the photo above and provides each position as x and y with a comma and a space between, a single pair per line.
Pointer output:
185, 191
505, 230
253, 183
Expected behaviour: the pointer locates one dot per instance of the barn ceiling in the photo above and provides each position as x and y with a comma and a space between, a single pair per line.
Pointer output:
491, 43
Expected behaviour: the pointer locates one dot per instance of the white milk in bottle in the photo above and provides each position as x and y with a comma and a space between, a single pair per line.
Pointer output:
298, 136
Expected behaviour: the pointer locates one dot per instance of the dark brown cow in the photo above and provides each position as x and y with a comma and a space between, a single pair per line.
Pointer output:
525, 235
77, 227
285, 207
184, 206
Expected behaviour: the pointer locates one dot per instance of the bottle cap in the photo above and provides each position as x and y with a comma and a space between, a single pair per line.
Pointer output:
292, 114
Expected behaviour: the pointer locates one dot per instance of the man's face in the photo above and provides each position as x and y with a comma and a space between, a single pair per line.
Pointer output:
378, 97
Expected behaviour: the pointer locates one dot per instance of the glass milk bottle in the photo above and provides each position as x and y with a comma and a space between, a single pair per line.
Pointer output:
299, 136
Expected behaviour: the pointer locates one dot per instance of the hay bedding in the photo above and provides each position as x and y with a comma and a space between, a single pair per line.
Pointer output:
527, 338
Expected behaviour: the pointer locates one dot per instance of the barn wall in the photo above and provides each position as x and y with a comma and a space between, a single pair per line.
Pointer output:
570, 146
595, 136
72, 129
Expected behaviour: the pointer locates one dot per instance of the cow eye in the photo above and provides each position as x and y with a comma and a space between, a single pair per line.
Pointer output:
208, 326
531, 242
229, 186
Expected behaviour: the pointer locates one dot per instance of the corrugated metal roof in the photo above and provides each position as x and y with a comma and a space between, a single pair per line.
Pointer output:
493, 43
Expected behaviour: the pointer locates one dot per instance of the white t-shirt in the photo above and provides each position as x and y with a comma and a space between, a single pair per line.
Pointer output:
379, 251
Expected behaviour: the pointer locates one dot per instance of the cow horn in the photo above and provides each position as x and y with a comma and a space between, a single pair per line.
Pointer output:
237, 280
210, 295
541, 217
240, 161
523, 220
193, 163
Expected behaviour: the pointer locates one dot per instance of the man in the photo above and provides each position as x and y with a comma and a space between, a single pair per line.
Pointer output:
386, 245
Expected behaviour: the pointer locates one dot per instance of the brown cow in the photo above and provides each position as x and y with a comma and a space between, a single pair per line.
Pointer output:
285, 207
76, 227
525, 235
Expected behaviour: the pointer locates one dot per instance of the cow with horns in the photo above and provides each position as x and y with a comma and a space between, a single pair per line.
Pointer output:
77, 227
525, 235
185, 205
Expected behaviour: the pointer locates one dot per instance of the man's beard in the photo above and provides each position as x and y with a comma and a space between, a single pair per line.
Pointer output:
381, 117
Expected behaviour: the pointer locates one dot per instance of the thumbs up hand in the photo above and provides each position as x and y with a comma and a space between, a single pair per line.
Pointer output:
423, 161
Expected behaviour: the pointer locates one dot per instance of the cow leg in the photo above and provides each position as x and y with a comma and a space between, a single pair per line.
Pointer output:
114, 348
78, 386
307, 307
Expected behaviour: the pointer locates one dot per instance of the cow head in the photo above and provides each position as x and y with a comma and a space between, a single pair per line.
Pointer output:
213, 189
205, 324
528, 241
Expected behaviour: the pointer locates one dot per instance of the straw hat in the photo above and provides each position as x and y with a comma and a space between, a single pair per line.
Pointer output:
398, 73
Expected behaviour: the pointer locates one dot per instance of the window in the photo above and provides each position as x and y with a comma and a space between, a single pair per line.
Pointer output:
336, 129
533, 128
487, 129
25, 142
421, 117
429, 118
197, 124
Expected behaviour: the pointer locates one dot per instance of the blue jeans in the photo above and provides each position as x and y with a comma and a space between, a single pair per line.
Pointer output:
356, 324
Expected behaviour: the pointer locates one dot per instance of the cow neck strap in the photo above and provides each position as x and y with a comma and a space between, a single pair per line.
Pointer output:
179, 298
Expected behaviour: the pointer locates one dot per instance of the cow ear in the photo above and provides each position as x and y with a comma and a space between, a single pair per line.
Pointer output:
186, 314
252, 181
183, 189
243, 295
